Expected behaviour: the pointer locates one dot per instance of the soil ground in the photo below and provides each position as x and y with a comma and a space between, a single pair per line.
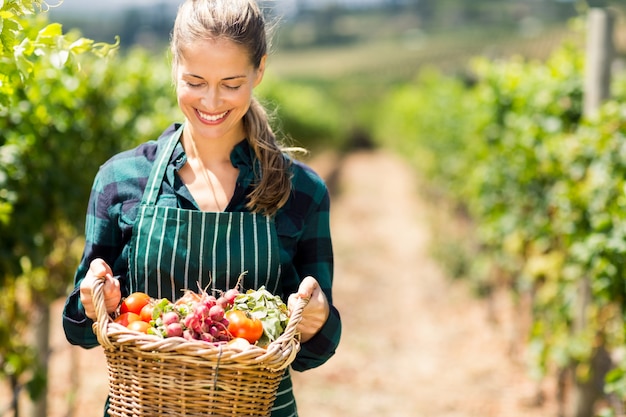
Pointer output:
415, 343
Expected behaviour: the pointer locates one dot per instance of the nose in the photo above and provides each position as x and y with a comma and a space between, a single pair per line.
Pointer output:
212, 99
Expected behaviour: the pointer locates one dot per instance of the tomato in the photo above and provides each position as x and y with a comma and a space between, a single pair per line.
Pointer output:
125, 318
134, 303
146, 312
241, 324
139, 326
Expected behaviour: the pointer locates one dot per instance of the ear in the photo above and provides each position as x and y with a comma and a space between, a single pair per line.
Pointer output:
260, 71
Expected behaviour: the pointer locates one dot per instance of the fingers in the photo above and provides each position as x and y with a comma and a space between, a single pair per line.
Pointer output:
308, 287
305, 290
99, 268
110, 289
112, 293
316, 311
85, 295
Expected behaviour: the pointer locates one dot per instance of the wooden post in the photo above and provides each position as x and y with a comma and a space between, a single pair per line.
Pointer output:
599, 56
600, 52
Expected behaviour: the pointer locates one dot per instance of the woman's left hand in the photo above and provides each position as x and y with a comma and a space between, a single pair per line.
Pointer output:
316, 311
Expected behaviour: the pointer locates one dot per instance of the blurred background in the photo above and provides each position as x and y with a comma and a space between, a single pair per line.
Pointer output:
508, 113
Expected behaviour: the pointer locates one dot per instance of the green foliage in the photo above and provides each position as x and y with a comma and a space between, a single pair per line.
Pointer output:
63, 125
29, 50
543, 185
306, 115
66, 105
428, 119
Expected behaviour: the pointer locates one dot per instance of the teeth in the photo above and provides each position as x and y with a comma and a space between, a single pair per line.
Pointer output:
210, 118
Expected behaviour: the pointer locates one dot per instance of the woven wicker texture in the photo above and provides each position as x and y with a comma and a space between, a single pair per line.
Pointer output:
150, 376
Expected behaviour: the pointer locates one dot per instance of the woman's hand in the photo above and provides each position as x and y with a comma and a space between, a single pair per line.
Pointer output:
316, 311
111, 289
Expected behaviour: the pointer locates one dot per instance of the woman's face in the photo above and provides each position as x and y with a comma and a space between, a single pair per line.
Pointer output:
215, 79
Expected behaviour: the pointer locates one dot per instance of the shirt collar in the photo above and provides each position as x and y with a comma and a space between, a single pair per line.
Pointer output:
242, 157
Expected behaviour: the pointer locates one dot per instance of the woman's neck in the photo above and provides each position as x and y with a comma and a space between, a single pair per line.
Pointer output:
209, 174
212, 152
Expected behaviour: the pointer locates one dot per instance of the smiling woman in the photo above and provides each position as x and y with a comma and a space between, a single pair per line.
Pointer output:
212, 197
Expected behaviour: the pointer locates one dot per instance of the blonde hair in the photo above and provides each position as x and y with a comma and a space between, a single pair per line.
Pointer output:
242, 22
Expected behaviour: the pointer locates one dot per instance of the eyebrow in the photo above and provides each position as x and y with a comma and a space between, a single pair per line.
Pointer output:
234, 77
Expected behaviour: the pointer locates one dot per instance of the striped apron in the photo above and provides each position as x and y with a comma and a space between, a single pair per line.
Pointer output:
174, 249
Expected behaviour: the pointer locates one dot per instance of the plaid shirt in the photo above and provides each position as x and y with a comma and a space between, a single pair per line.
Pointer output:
303, 228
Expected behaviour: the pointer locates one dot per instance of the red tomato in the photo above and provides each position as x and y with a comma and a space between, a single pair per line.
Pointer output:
125, 318
241, 324
146, 312
139, 326
134, 303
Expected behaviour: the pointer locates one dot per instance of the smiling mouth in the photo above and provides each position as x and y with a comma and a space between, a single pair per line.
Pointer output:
212, 118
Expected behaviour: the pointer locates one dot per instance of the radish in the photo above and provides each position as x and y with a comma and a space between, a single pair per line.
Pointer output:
207, 337
222, 302
191, 321
201, 309
174, 329
209, 300
230, 295
216, 313
170, 317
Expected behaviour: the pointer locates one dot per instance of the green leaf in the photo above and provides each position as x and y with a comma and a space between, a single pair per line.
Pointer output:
24, 66
51, 31
8, 34
81, 45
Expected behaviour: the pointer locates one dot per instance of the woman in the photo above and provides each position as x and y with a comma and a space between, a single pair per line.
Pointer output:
212, 197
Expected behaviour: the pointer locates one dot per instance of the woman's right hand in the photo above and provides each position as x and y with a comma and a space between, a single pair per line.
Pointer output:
111, 289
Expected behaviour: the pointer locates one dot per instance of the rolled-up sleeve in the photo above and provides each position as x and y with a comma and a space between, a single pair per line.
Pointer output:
321, 347
314, 257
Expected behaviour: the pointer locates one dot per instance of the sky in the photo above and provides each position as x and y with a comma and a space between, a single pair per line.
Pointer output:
108, 5
112, 5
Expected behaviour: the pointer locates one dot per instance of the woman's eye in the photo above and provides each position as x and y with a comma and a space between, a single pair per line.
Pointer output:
232, 87
193, 85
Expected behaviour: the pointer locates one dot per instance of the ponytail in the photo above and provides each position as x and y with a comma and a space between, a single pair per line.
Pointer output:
272, 190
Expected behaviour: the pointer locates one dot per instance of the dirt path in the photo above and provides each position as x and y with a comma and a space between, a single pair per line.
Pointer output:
414, 344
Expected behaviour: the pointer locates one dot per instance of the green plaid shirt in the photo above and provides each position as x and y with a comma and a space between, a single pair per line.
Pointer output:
303, 228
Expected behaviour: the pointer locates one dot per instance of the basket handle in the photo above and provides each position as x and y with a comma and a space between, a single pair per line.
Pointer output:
103, 319
295, 317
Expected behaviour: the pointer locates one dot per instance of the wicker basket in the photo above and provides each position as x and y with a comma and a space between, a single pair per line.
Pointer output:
150, 376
